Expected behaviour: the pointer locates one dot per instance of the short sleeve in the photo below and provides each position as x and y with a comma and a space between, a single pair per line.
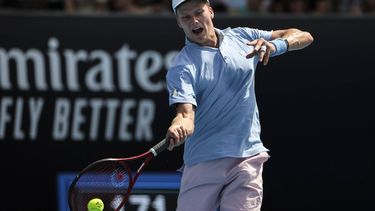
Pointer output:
253, 34
180, 84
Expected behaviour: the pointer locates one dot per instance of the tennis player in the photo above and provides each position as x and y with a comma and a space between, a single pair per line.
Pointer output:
211, 85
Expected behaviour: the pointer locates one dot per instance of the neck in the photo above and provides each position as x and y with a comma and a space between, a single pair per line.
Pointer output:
213, 40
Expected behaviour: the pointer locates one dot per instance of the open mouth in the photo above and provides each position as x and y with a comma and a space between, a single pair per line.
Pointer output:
197, 31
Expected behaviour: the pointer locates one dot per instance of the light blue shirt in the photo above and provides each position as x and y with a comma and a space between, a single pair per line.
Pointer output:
220, 83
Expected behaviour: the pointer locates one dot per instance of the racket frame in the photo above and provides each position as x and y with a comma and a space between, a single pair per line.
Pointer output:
149, 155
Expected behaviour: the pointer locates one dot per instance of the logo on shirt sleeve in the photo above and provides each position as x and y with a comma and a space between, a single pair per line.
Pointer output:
174, 93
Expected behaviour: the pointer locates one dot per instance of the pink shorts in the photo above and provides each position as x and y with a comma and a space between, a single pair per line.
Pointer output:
233, 184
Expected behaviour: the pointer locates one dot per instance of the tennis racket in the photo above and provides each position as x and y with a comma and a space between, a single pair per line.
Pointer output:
108, 176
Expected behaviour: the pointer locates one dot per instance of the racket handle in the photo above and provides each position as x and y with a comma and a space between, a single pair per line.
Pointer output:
159, 147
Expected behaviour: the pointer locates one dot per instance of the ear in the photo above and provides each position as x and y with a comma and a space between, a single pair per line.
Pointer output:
212, 12
178, 22
179, 25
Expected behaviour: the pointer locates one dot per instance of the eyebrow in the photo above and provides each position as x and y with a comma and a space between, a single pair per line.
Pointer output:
182, 13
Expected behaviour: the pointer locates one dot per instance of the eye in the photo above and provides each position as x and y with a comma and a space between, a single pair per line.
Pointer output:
199, 12
185, 17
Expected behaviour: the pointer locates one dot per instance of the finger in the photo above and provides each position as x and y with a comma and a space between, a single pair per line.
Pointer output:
262, 52
171, 137
183, 135
251, 55
261, 55
259, 44
179, 134
260, 41
252, 43
173, 132
184, 132
266, 57
171, 144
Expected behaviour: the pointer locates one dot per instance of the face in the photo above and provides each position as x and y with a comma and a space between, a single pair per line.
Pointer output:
195, 18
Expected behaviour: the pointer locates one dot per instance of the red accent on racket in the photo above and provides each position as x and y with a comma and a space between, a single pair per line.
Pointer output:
109, 175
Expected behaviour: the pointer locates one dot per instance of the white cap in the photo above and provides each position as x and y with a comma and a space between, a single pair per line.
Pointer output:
176, 3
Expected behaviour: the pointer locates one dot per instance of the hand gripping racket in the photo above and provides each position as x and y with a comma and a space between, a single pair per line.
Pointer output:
107, 176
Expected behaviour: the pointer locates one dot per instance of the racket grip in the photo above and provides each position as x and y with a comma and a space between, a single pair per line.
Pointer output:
159, 147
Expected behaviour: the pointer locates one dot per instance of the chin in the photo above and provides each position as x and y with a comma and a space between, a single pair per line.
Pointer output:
199, 38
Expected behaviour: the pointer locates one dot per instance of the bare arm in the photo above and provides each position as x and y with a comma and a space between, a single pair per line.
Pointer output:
296, 38
182, 125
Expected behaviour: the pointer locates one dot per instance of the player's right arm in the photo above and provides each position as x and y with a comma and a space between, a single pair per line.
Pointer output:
182, 125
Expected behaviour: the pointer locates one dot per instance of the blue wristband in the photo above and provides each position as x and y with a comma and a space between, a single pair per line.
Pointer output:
281, 46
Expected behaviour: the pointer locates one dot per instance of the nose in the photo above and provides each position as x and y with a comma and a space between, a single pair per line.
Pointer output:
195, 19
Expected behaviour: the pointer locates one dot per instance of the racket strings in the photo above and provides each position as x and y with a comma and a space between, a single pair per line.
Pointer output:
104, 178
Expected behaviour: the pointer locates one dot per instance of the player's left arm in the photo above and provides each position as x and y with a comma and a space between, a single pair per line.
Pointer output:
281, 41
295, 38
